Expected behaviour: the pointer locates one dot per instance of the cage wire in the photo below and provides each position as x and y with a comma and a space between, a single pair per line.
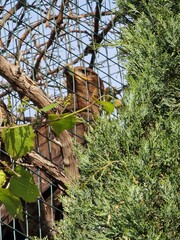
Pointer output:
42, 37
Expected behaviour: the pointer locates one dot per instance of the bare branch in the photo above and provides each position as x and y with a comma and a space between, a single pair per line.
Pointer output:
96, 30
48, 167
100, 37
23, 84
84, 15
19, 23
48, 16
20, 4
90, 48
57, 29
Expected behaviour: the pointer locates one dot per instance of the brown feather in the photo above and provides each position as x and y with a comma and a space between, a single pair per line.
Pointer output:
84, 86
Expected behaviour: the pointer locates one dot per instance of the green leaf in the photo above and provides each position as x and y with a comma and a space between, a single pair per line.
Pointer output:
24, 185
11, 202
109, 107
65, 122
18, 140
49, 107
2, 178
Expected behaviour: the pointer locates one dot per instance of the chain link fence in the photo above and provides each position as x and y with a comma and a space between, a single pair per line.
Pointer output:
42, 38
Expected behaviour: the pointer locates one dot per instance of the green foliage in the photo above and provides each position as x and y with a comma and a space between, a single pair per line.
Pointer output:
18, 140
108, 106
152, 59
65, 122
49, 107
2, 178
36, 238
129, 187
11, 202
23, 185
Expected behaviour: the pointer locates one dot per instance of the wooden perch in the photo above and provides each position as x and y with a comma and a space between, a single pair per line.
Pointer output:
50, 168
23, 84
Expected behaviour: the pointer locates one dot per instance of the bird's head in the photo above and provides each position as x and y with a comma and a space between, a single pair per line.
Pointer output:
80, 76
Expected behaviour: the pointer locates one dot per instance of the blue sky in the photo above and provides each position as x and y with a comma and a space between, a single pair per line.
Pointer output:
71, 42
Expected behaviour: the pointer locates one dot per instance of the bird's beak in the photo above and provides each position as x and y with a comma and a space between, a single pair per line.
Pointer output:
68, 70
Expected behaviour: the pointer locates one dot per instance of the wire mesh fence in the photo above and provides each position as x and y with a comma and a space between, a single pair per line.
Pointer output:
42, 38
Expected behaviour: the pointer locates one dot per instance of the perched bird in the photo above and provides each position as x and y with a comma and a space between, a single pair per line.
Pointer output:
84, 87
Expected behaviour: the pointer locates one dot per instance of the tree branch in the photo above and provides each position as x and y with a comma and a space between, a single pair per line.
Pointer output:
90, 48
96, 30
23, 84
7, 16
48, 167
56, 29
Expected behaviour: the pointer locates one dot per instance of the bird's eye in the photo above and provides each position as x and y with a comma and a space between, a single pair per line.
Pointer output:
84, 71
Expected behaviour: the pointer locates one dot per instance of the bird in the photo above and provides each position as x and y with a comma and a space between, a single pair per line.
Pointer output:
84, 87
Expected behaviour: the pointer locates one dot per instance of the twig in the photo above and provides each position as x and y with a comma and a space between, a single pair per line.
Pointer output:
96, 30
10, 169
19, 4
20, 20
90, 48
6, 92
56, 29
